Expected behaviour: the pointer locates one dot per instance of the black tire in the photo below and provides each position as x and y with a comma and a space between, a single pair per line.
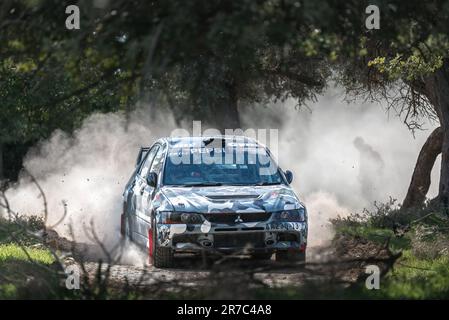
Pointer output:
162, 256
128, 232
291, 256
262, 255
125, 229
122, 225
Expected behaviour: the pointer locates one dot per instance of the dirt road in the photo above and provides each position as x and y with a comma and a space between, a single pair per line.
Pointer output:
194, 271
224, 277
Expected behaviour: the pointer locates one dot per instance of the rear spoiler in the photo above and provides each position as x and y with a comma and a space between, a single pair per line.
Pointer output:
142, 153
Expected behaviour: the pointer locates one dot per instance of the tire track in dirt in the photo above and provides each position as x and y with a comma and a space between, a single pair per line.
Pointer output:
193, 271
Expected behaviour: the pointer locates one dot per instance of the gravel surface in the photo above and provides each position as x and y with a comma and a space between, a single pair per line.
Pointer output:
340, 263
193, 271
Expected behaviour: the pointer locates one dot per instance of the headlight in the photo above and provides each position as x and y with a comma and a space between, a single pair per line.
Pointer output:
168, 217
297, 215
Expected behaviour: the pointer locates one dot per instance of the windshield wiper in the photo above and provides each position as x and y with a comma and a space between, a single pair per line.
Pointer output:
215, 184
267, 183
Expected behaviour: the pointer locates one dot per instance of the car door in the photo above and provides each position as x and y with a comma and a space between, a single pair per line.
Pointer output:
138, 233
147, 195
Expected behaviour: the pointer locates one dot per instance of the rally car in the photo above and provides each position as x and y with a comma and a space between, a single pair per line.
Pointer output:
220, 194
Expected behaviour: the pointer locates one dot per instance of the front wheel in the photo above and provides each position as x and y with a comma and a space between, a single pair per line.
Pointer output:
123, 225
160, 257
125, 230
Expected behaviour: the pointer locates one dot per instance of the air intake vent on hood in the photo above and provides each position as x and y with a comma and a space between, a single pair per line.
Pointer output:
233, 196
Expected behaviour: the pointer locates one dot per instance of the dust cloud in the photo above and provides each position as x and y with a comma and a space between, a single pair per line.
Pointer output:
87, 172
343, 156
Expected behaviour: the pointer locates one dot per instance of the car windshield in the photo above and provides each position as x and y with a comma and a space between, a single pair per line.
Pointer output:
204, 166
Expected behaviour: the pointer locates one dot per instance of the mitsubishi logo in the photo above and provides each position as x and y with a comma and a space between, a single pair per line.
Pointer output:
238, 219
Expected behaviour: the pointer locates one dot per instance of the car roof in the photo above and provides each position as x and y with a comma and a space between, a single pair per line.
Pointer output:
197, 141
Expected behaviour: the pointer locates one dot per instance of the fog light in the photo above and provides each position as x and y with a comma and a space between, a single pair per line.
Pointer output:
168, 217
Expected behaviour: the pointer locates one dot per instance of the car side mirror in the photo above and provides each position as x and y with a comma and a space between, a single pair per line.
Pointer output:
152, 179
289, 176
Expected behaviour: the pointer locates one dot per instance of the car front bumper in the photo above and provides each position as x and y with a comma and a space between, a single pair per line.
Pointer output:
268, 236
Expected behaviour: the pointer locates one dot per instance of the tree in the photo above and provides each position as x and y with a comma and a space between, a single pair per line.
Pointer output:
202, 58
419, 186
406, 63
205, 58
45, 84
208, 55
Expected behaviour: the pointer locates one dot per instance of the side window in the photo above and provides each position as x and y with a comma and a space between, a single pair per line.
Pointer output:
156, 166
148, 160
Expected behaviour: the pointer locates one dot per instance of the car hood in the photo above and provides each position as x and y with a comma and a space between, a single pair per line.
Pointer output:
231, 198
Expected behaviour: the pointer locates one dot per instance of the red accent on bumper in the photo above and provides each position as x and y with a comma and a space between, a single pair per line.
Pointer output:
150, 243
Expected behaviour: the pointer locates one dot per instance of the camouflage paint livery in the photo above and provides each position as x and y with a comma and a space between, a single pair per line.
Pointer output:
224, 212
225, 200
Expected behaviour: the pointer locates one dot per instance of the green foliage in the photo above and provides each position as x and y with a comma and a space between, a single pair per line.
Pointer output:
8, 291
20, 232
200, 58
410, 68
26, 267
376, 235
17, 252
415, 278
421, 272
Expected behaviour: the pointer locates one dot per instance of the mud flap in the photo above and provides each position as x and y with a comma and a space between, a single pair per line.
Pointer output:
122, 224
150, 244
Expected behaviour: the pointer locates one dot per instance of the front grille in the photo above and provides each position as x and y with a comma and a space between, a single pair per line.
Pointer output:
230, 218
239, 240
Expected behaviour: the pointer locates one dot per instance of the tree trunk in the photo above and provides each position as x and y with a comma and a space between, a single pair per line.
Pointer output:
221, 113
443, 193
220, 116
438, 88
1, 162
226, 115
420, 183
